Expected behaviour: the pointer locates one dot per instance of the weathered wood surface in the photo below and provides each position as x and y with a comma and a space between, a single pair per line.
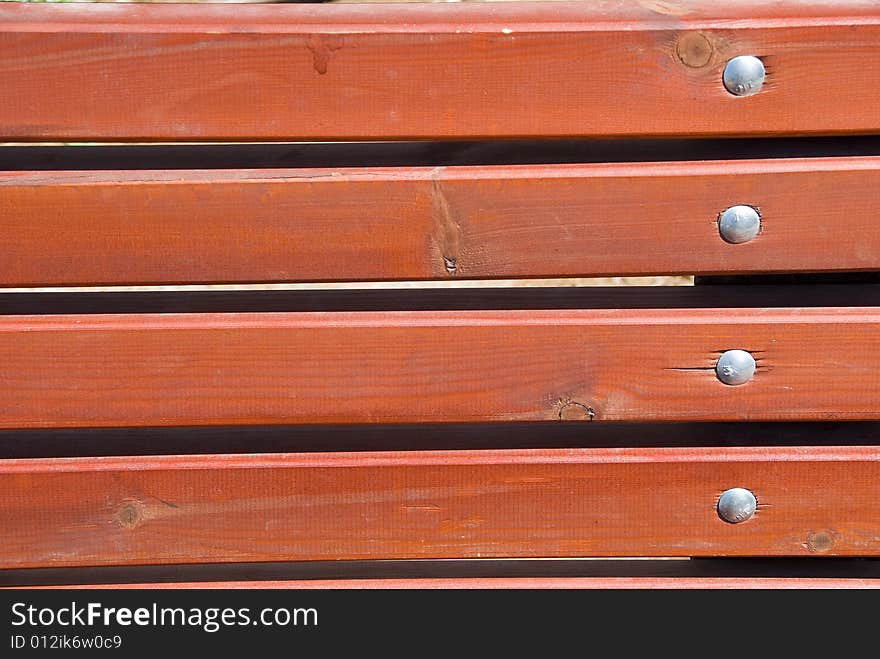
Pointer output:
337, 72
141, 227
445, 504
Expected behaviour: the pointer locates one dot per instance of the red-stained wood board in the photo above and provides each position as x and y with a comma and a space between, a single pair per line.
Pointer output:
513, 583
422, 71
595, 365
203, 226
444, 504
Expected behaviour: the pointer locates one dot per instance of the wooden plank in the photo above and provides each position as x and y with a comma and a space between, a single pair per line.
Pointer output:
442, 366
513, 583
444, 504
421, 223
411, 72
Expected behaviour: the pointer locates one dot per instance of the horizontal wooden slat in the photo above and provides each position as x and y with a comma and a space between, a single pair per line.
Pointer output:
446, 504
530, 583
62, 228
421, 71
443, 366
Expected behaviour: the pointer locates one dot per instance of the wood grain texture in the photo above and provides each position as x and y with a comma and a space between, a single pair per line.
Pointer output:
497, 70
818, 214
445, 504
511, 583
443, 366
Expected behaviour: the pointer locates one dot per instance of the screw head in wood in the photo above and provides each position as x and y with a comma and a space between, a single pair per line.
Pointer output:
739, 224
735, 367
744, 75
736, 505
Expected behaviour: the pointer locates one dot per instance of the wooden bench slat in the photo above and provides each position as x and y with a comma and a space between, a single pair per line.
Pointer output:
442, 366
446, 504
117, 227
517, 583
423, 72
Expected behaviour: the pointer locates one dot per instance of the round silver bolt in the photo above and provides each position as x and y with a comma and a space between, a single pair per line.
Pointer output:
739, 224
736, 505
735, 367
744, 75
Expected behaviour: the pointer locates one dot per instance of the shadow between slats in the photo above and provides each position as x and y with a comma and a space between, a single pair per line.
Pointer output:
253, 299
93, 442
733, 568
413, 154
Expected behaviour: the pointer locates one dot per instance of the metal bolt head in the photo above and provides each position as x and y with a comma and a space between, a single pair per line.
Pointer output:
744, 75
739, 224
737, 505
735, 367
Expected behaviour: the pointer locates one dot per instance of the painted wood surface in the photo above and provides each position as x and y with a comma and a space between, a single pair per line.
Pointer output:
517, 583
413, 367
444, 504
143, 227
495, 70
441, 366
